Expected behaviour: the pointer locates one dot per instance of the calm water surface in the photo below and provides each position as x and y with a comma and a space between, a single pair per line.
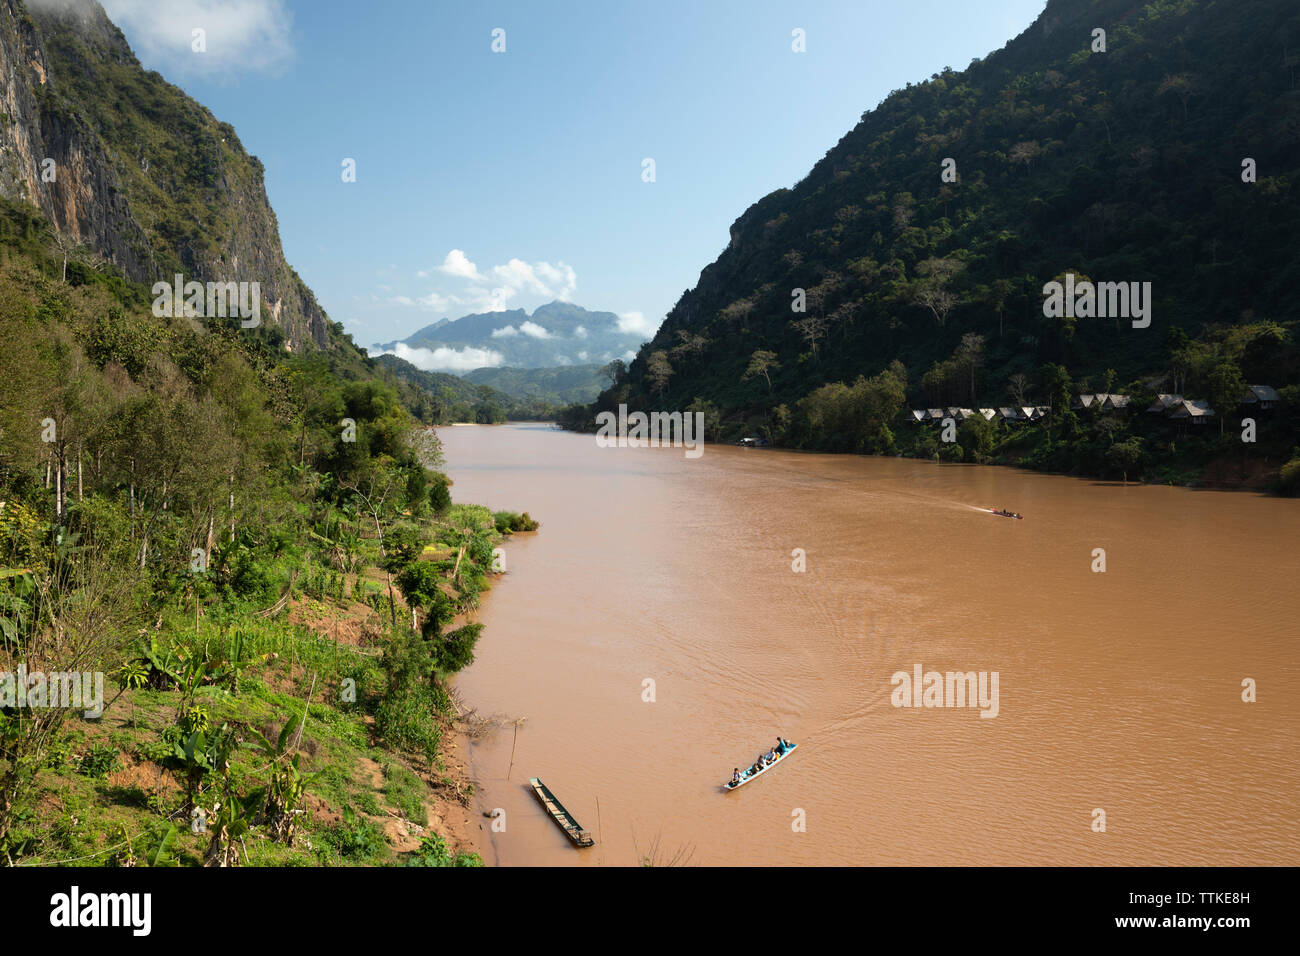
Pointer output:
1118, 690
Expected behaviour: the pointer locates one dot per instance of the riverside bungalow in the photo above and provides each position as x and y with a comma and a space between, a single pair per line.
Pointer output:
1113, 403
1083, 401
988, 413
1027, 412
1009, 415
919, 415
1263, 396
1198, 413
1163, 403
1041, 412
936, 414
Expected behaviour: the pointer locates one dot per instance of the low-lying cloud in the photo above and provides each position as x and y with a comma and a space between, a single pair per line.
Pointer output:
443, 359
636, 322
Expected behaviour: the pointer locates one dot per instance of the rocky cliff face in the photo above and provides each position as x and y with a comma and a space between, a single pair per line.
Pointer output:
141, 175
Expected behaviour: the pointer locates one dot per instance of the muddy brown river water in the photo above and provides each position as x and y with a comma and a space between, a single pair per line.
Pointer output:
1119, 691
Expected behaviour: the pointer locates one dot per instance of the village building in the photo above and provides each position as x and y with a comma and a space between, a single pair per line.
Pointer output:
1198, 413
1261, 396
1164, 401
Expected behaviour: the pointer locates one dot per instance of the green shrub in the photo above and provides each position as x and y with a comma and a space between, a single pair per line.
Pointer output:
433, 852
98, 762
508, 522
1290, 483
355, 836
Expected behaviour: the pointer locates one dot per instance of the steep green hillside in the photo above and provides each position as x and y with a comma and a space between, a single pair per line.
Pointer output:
1124, 166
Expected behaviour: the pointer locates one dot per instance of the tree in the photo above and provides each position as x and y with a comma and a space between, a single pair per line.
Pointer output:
615, 372
760, 363
1025, 152
1018, 387
1125, 455
1226, 385
813, 328
971, 351
999, 292
658, 371
933, 291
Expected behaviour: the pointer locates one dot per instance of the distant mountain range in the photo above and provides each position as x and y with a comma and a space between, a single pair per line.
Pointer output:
557, 334
560, 386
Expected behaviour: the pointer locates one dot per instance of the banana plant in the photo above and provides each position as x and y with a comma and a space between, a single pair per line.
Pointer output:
231, 820
162, 666
280, 799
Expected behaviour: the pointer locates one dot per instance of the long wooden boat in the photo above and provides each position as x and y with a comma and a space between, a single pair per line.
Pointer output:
751, 774
1005, 514
562, 817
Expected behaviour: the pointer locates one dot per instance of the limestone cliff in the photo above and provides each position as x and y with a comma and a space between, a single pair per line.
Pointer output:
142, 175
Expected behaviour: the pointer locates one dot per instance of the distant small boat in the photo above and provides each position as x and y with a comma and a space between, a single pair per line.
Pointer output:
750, 773
562, 817
1005, 514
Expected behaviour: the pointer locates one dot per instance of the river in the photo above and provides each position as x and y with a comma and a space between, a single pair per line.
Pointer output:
1119, 691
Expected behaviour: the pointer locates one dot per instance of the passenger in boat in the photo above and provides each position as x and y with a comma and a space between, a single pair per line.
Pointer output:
782, 745
735, 776
771, 756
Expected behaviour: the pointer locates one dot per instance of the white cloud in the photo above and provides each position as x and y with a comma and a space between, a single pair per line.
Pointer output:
457, 264
629, 355
443, 359
580, 332
582, 356
505, 332
636, 322
241, 36
493, 289
436, 302
535, 330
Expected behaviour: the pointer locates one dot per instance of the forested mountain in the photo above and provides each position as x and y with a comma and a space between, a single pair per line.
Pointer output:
562, 386
131, 171
442, 398
556, 334
920, 245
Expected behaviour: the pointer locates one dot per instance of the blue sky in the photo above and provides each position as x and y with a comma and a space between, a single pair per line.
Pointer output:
488, 180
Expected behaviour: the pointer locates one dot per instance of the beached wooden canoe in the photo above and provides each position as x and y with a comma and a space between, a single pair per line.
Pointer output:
749, 773
562, 817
